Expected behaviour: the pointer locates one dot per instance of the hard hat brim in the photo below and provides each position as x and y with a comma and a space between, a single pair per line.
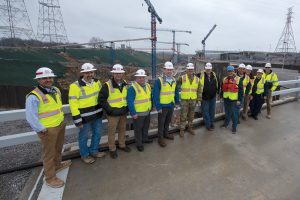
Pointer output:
190, 68
44, 76
207, 67
117, 71
88, 70
140, 75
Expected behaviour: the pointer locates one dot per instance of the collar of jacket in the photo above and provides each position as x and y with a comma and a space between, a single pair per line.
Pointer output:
82, 83
116, 85
47, 90
266, 72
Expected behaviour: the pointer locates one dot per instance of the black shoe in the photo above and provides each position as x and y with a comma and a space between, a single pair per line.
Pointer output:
209, 129
255, 117
169, 136
140, 148
148, 141
234, 131
126, 149
113, 154
223, 126
212, 127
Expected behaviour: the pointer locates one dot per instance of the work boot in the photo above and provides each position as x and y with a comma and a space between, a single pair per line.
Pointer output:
223, 126
169, 136
254, 117
233, 130
55, 182
268, 116
98, 155
88, 159
140, 148
191, 131
181, 133
212, 127
244, 117
113, 154
162, 142
126, 149
63, 165
209, 129
148, 141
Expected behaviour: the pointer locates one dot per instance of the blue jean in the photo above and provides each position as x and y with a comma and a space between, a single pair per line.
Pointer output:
232, 111
96, 127
208, 111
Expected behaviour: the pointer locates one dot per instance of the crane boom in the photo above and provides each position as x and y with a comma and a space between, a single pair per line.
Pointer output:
151, 10
159, 29
208, 34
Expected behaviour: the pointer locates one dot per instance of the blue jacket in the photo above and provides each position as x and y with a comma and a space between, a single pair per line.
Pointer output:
156, 95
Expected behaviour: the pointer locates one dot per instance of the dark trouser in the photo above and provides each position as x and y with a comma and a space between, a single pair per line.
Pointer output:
208, 111
141, 127
256, 104
164, 119
231, 112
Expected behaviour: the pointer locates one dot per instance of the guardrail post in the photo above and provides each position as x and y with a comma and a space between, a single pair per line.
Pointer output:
298, 86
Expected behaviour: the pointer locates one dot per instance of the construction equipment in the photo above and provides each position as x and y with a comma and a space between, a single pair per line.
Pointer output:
164, 29
205, 38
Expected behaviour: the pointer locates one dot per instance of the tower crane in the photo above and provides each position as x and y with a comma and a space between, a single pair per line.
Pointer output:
205, 38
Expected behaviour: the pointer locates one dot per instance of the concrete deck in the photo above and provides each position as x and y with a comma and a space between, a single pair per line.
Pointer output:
261, 161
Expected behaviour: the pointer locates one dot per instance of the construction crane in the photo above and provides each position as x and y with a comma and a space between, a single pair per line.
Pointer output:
205, 38
164, 29
178, 44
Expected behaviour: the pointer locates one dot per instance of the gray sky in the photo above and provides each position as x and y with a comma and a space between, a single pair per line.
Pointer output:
241, 24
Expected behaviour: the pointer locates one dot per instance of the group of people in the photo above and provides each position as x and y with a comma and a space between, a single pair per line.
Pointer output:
88, 97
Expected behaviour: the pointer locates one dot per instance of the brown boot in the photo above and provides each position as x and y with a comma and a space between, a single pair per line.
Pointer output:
55, 182
169, 136
181, 133
162, 142
191, 131
63, 165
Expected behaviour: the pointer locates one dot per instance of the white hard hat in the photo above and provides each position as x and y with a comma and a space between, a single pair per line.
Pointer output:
260, 71
268, 65
44, 72
140, 72
208, 66
117, 68
190, 66
87, 67
242, 66
168, 65
249, 67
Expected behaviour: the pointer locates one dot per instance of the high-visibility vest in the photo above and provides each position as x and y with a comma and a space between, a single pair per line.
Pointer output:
189, 90
245, 82
231, 88
272, 79
116, 99
202, 77
260, 86
50, 112
81, 97
167, 91
251, 82
142, 102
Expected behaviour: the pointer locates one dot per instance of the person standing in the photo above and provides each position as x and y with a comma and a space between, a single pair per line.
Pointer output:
140, 104
86, 112
209, 85
45, 116
232, 89
272, 83
189, 96
259, 93
248, 91
165, 97
112, 99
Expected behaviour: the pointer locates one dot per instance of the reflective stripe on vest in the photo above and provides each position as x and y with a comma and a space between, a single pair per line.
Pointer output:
50, 112
167, 91
116, 98
189, 90
142, 102
230, 88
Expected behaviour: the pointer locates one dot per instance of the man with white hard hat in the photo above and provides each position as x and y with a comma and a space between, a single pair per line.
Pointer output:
45, 116
248, 91
259, 93
165, 97
140, 104
189, 96
209, 88
272, 83
112, 99
86, 112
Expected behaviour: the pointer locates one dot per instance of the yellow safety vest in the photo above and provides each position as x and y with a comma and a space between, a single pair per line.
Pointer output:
202, 76
232, 95
167, 92
260, 86
189, 90
50, 112
246, 80
272, 78
142, 102
116, 99
84, 97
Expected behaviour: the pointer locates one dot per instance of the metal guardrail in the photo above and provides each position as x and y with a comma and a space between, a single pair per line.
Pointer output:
23, 138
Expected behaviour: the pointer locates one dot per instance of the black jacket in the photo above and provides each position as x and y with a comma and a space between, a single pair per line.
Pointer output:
211, 87
103, 96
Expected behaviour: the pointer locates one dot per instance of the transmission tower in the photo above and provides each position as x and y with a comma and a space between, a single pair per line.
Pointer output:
14, 20
286, 42
51, 26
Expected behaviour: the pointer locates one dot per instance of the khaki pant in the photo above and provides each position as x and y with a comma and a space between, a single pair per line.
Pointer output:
52, 144
187, 113
269, 101
246, 105
114, 123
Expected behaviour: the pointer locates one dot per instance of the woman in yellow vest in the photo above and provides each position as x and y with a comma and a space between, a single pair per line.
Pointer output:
248, 90
45, 116
259, 94
140, 104
112, 99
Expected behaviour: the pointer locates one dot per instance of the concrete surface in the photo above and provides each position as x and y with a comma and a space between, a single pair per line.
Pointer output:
260, 162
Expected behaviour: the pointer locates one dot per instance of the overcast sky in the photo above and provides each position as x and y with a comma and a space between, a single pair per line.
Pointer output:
241, 24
